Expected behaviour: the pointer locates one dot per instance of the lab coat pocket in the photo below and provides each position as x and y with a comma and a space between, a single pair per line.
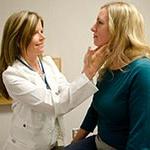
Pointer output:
13, 144
22, 132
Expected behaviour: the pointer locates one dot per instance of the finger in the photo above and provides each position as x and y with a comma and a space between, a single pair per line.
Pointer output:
100, 55
88, 56
102, 51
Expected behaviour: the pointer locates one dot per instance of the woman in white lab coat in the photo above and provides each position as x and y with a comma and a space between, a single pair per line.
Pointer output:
40, 93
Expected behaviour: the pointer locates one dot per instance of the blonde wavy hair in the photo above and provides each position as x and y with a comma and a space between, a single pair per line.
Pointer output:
127, 39
17, 34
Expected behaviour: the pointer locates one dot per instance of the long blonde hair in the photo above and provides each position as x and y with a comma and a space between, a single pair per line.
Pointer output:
127, 39
17, 34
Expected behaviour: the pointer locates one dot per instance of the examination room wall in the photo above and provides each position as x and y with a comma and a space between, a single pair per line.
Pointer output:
67, 28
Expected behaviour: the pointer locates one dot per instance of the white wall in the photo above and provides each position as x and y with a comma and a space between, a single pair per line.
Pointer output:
67, 27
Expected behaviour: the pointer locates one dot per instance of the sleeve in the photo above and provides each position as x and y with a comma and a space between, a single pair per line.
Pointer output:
139, 111
90, 121
70, 94
73, 94
22, 88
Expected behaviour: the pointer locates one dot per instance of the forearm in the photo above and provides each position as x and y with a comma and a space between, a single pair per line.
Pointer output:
74, 94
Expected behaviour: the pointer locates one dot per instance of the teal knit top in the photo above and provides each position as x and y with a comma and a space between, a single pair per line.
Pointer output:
121, 107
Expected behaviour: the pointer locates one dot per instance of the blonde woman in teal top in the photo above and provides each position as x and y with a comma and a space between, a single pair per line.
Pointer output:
121, 107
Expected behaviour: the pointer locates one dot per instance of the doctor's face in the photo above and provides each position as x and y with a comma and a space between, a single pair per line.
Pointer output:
36, 45
100, 29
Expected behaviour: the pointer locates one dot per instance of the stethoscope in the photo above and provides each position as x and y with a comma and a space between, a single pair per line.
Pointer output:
43, 71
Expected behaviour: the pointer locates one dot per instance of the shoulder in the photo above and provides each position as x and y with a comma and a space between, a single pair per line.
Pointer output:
48, 60
17, 71
11, 74
140, 70
140, 65
49, 64
141, 62
12, 69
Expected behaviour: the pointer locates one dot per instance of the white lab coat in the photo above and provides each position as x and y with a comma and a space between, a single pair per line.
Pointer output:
35, 108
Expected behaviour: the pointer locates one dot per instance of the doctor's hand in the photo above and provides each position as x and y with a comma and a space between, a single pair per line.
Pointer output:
94, 59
